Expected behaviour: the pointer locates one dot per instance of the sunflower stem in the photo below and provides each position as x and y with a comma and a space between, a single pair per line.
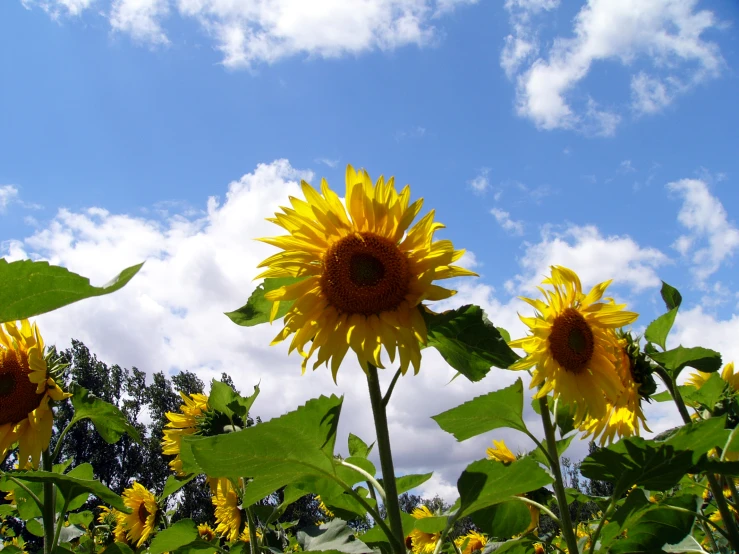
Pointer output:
386, 458
60, 524
391, 388
49, 504
60, 440
370, 478
559, 489
718, 494
253, 546
543, 508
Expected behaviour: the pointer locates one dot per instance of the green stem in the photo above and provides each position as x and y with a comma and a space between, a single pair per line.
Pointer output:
541, 447
604, 517
732, 488
559, 489
60, 524
541, 507
366, 475
60, 440
390, 389
253, 546
386, 458
709, 534
372, 493
49, 511
726, 516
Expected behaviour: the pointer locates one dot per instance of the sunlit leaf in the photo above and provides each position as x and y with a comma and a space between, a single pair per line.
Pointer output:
257, 308
177, 535
703, 359
108, 420
333, 536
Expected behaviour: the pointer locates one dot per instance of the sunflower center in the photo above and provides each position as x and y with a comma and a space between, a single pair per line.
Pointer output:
143, 513
571, 341
17, 394
365, 274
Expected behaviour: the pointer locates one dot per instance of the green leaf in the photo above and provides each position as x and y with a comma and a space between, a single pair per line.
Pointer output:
257, 308
503, 520
81, 518
501, 408
486, 483
688, 544
562, 445
35, 526
671, 296
333, 536
117, 548
433, 524
224, 399
658, 329
468, 341
708, 394
177, 535
82, 471
409, 482
174, 484
524, 545
359, 448
32, 288
703, 359
70, 533
108, 420
275, 453
71, 486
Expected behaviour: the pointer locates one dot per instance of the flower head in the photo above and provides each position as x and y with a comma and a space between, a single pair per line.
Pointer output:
471, 542
699, 378
184, 423
26, 387
206, 532
501, 453
323, 508
139, 525
228, 513
245, 537
365, 272
421, 542
571, 344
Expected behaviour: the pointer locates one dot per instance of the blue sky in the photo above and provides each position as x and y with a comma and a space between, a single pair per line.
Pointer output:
594, 134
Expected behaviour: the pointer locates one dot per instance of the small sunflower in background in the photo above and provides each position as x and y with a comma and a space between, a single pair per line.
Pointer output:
110, 517
500, 453
206, 532
365, 272
624, 417
184, 423
141, 523
27, 386
228, 513
245, 537
422, 542
699, 378
572, 344
471, 542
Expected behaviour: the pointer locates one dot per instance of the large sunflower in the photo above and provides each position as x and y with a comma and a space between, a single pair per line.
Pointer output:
572, 344
624, 417
227, 510
185, 423
26, 387
422, 542
141, 522
365, 273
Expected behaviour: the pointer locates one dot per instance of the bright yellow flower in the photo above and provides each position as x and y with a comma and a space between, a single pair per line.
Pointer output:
365, 272
182, 424
139, 525
206, 532
423, 543
228, 513
572, 344
323, 507
699, 378
110, 517
25, 391
624, 417
244, 537
501, 453
15, 541
471, 542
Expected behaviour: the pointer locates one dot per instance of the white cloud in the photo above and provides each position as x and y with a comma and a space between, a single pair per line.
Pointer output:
249, 32
328, 162
481, 183
665, 33
509, 225
596, 258
626, 167
140, 19
8, 194
712, 235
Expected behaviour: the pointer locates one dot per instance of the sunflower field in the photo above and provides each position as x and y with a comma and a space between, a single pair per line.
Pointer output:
356, 278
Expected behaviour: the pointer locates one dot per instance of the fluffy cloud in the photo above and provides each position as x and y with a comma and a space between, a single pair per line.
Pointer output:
8, 194
711, 237
481, 183
255, 31
665, 33
509, 225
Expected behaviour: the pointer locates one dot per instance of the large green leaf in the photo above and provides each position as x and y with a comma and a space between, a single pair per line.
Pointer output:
408, 482
177, 535
333, 536
486, 483
658, 329
275, 453
82, 471
257, 308
32, 288
671, 296
71, 486
501, 408
703, 359
468, 341
224, 399
503, 520
708, 394
108, 420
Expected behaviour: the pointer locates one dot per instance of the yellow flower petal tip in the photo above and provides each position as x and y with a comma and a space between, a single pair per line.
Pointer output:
501, 453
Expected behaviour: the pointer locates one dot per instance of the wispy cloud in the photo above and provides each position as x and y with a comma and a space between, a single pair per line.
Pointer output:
481, 183
509, 225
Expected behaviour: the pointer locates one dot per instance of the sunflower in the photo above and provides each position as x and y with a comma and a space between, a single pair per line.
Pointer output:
323, 508
245, 537
624, 417
184, 423
501, 453
110, 517
26, 387
572, 344
206, 532
422, 542
364, 272
228, 513
139, 525
470, 542
699, 378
